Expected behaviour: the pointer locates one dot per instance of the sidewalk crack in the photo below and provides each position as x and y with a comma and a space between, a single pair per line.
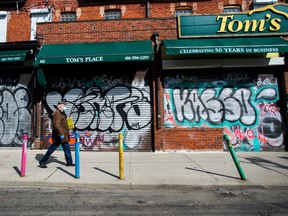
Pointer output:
50, 175
202, 168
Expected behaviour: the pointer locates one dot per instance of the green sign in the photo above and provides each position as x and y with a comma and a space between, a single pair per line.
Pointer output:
13, 55
94, 59
269, 20
232, 45
95, 52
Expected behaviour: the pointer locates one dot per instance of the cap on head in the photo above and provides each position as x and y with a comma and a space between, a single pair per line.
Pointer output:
61, 102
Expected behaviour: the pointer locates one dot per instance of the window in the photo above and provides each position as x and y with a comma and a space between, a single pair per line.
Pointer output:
232, 8
112, 14
262, 3
68, 17
183, 10
38, 16
3, 26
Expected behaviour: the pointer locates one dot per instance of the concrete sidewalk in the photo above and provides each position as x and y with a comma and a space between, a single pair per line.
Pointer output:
147, 169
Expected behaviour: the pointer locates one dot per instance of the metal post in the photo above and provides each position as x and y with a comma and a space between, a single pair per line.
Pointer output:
121, 160
235, 159
24, 154
77, 155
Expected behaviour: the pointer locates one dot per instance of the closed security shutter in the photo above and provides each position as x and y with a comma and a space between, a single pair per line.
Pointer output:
102, 106
242, 101
16, 108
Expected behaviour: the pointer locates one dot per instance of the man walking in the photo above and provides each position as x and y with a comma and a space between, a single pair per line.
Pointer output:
60, 135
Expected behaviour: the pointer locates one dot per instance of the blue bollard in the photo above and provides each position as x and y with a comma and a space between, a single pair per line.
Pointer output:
77, 155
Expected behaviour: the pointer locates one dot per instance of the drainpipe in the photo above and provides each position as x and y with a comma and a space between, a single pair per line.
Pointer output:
155, 39
147, 9
17, 7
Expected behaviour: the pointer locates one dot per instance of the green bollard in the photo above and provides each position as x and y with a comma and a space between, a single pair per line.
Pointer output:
235, 159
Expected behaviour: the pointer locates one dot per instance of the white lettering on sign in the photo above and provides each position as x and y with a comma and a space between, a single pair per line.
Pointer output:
136, 58
190, 51
94, 59
229, 50
74, 60
84, 59
10, 59
265, 50
234, 50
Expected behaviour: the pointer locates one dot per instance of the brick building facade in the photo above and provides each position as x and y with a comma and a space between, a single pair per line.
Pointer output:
153, 21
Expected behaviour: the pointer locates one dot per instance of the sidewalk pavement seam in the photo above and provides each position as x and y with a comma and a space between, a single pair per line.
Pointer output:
202, 168
50, 174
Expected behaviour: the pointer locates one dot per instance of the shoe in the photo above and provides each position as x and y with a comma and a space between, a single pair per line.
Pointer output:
70, 164
42, 165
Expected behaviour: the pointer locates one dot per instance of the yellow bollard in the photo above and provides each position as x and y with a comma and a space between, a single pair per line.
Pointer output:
121, 160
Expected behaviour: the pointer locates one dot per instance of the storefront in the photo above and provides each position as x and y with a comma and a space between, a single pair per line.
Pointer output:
107, 87
17, 92
227, 73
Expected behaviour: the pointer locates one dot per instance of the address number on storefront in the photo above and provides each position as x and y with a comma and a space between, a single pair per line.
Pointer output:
133, 58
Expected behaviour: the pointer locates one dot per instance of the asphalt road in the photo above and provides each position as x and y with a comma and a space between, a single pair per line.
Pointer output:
143, 200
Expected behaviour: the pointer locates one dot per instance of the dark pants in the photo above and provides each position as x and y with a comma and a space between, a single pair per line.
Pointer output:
52, 148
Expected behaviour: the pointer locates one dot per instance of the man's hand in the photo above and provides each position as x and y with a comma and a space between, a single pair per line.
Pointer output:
62, 137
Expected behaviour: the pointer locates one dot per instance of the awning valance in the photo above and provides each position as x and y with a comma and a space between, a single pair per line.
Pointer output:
95, 52
248, 45
13, 55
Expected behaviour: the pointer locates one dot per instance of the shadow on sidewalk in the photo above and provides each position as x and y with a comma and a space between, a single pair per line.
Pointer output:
52, 158
17, 170
266, 164
218, 174
107, 172
65, 171
38, 157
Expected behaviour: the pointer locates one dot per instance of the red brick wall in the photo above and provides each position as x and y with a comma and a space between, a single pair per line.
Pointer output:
198, 7
19, 22
106, 30
18, 27
192, 139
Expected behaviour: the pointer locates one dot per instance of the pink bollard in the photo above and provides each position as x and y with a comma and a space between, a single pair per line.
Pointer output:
24, 153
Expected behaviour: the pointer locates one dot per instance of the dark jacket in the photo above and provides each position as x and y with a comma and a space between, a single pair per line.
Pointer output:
60, 127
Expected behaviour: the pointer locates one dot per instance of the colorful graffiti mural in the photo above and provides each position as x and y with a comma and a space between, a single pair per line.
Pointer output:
243, 107
101, 109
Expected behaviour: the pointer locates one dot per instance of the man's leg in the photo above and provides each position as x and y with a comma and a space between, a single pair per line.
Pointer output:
50, 150
67, 152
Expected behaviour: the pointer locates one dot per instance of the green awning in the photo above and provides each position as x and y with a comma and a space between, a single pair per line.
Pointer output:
41, 77
95, 52
13, 55
248, 45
